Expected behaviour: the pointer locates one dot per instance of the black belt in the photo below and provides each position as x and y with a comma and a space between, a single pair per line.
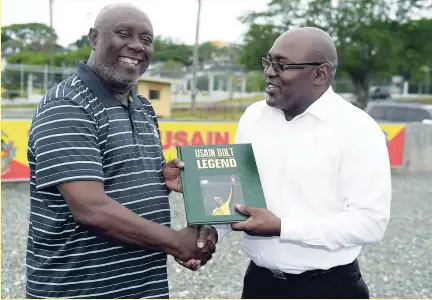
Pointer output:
351, 267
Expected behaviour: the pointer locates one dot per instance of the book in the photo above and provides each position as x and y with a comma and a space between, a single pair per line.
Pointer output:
217, 177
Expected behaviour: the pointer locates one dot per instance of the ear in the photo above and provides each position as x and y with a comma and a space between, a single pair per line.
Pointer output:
92, 37
322, 74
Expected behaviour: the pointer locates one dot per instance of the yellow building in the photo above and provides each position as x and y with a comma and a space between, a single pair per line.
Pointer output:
158, 92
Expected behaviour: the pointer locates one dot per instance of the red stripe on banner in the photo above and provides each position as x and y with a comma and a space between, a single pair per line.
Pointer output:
396, 149
16, 171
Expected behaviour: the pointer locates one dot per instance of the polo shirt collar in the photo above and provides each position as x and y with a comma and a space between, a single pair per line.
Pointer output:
100, 89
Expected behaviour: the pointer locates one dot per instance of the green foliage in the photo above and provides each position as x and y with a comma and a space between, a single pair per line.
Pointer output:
28, 36
257, 43
29, 58
43, 58
165, 49
207, 51
255, 81
31, 44
372, 39
72, 58
82, 42
281, 14
172, 66
417, 48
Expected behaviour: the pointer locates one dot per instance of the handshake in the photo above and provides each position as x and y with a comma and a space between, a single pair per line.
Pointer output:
193, 247
196, 246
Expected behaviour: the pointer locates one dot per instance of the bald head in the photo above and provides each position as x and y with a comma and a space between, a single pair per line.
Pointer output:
113, 12
314, 45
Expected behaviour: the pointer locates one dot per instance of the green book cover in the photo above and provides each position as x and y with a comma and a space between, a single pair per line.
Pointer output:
217, 177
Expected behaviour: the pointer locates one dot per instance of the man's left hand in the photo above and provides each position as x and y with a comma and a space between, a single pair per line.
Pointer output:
171, 173
206, 234
261, 222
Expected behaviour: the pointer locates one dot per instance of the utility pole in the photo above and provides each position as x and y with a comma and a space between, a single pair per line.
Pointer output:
195, 61
52, 42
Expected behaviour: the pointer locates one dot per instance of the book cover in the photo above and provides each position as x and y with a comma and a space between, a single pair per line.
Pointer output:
217, 177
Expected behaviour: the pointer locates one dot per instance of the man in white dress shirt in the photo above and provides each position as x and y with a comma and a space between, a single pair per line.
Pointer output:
325, 172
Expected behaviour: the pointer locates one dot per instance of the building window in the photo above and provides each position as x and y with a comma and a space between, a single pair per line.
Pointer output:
154, 95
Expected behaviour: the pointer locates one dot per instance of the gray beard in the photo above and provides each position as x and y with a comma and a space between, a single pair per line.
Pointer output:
113, 79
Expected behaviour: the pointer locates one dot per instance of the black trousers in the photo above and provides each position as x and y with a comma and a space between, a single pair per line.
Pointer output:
339, 282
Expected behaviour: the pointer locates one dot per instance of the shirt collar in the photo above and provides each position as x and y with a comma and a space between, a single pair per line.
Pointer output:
322, 107
99, 88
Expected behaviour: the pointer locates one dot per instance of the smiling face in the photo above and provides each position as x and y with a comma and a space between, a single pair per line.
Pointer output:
122, 47
289, 89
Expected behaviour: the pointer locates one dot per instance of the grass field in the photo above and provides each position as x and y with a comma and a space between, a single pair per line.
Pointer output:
249, 100
243, 100
185, 114
222, 114
25, 106
427, 100
207, 115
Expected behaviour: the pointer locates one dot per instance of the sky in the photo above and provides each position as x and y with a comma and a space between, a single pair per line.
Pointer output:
170, 18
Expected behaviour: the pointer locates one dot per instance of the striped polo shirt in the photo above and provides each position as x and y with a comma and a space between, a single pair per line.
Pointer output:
82, 132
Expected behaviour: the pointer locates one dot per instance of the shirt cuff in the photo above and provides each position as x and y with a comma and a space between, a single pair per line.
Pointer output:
222, 230
293, 229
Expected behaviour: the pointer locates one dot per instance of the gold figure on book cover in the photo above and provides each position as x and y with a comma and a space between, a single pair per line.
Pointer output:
225, 208
220, 194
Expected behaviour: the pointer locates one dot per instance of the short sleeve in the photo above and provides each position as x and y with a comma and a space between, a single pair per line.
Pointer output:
63, 139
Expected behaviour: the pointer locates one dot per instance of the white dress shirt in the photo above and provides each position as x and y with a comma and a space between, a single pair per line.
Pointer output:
326, 174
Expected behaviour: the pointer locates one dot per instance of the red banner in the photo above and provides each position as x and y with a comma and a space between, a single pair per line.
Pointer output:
15, 138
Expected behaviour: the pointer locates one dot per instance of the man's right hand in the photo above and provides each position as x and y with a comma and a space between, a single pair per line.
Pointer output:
188, 248
206, 235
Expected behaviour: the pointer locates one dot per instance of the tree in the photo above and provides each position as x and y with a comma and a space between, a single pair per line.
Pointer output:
28, 36
365, 53
367, 37
82, 42
265, 27
281, 14
257, 43
165, 49
417, 46
29, 58
207, 51
255, 81
29, 44
366, 33
72, 58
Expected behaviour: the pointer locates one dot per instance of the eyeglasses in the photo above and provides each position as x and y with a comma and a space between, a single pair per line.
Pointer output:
278, 66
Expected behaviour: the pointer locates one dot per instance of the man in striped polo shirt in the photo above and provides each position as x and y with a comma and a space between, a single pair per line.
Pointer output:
100, 217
